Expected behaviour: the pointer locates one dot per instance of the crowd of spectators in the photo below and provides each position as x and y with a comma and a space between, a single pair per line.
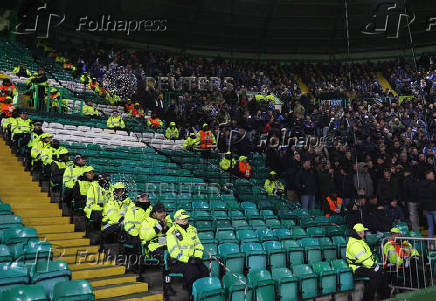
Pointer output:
374, 152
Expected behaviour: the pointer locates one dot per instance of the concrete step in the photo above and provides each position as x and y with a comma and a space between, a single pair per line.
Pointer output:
112, 280
74, 259
63, 235
103, 271
31, 205
38, 212
77, 242
146, 296
46, 229
80, 252
90, 265
118, 290
41, 221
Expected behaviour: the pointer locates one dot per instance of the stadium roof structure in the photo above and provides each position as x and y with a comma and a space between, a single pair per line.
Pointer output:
263, 26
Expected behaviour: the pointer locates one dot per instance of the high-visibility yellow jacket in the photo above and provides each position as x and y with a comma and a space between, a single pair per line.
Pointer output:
359, 254
48, 154
151, 237
113, 211
34, 138
225, 163
21, 126
172, 133
394, 252
71, 174
190, 143
183, 244
37, 149
8, 121
96, 197
272, 187
115, 122
89, 110
17, 70
133, 218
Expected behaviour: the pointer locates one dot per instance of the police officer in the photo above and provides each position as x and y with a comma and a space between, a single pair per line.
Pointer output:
362, 261
227, 163
113, 214
136, 213
153, 237
35, 136
37, 150
272, 185
172, 132
58, 167
115, 122
99, 193
81, 187
71, 174
21, 130
190, 142
185, 250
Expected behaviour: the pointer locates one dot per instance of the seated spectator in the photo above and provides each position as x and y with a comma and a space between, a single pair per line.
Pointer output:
396, 212
116, 122
172, 133
154, 122
228, 162
21, 71
375, 216
243, 168
90, 110
273, 186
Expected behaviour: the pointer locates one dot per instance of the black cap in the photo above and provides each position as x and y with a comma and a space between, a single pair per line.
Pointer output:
103, 176
37, 123
158, 207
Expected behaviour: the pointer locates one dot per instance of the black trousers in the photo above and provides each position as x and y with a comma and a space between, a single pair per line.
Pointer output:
67, 198
191, 272
378, 282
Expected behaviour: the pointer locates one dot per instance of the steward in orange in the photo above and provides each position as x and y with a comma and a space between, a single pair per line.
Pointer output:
205, 137
128, 107
154, 121
136, 111
333, 204
244, 168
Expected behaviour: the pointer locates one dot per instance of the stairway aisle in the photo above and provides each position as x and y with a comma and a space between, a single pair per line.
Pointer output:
36, 210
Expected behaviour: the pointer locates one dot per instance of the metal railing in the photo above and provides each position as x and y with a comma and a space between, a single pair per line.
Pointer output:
414, 272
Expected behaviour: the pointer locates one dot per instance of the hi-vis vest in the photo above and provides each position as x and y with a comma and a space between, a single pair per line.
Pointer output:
183, 244
359, 254
245, 169
395, 252
206, 139
71, 174
149, 238
133, 218
156, 122
334, 204
96, 197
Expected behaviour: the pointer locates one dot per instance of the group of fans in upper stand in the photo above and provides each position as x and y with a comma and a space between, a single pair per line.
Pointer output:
145, 231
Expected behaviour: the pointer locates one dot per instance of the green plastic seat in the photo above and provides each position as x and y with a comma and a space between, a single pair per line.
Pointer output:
200, 206
312, 250
235, 290
5, 209
236, 214
337, 219
286, 283
19, 235
72, 290
263, 285
315, 231
206, 235
211, 246
298, 232
307, 221
294, 250
32, 250
225, 235
257, 222
288, 223
49, 273
307, 281
232, 257
272, 223
328, 249
255, 255
282, 234
240, 224
265, 234
252, 212
246, 235
248, 205
276, 254
208, 289
5, 254
327, 277
12, 274
25, 293
10, 221
344, 275
341, 245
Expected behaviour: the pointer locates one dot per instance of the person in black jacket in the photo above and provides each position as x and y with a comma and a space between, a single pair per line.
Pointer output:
375, 216
345, 185
387, 188
427, 198
409, 196
307, 186
294, 164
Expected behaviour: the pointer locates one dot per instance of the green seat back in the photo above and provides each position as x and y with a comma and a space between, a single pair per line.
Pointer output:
72, 290
25, 292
